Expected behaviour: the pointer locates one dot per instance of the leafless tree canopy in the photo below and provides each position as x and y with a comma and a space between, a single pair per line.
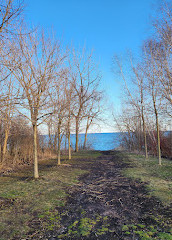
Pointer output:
10, 11
147, 107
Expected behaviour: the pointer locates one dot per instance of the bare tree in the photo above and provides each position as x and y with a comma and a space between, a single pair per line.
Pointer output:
60, 103
134, 96
36, 61
70, 101
149, 95
141, 87
85, 78
93, 112
9, 12
7, 112
163, 28
152, 75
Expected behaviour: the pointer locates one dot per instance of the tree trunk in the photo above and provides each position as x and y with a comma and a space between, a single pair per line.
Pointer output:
5, 145
157, 129
158, 140
1, 142
85, 139
69, 147
59, 144
50, 138
35, 153
55, 141
145, 137
65, 143
1, 152
77, 135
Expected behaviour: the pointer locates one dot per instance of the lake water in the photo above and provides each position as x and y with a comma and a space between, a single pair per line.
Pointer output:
97, 141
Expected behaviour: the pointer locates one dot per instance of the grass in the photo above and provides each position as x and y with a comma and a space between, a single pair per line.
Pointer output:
159, 178
23, 199
86, 154
29, 206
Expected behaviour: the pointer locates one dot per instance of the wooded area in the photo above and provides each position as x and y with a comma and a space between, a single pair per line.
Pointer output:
146, 116
42, 84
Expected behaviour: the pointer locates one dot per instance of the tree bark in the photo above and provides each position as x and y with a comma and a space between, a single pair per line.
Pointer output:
55, 141
65, 143
5, 145
85, 140
50, 137
144, 128
145, 137
77, 135
35, 153
69, 147
157, 129
86, 131
158, 140
59, 144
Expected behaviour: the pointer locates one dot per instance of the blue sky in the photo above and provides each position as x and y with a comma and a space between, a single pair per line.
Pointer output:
108, 27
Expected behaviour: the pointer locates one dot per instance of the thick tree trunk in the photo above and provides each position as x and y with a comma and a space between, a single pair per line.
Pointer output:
77, 135
35, 153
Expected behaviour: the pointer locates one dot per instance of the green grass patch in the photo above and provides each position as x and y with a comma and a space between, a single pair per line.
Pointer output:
83, 154
142, 232
85, 226
159, 178
23, 200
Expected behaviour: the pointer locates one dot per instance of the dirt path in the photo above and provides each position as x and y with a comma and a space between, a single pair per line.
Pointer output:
106, 205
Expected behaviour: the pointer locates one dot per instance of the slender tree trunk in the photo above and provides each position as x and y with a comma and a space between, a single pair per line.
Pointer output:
35, 153
55, 141
158, 135
68, 130
65, 143
59, 144
1, 153
85, 139
1, 146
69, 147
5, 145
49, 134
158, 140
144, 132
140, 137
77, 135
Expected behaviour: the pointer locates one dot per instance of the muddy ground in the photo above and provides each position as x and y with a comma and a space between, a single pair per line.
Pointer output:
107, 205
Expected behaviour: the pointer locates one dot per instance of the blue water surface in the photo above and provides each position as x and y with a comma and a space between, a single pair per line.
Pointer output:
96, 141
